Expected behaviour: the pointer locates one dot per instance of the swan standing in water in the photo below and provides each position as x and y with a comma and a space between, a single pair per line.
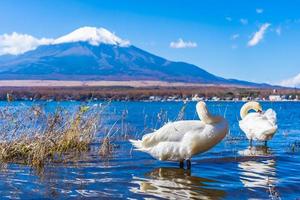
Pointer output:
258, 125
180, 140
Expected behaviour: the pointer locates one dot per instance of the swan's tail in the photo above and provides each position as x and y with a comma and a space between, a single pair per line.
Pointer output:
271, 131
137, 144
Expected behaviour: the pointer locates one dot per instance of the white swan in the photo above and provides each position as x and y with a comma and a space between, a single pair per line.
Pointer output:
180, 140
258, 125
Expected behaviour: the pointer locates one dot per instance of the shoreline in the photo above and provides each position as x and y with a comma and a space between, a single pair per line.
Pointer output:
149, 93
131, 83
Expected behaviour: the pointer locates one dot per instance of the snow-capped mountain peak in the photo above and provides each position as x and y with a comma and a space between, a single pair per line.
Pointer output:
92, 35
18, 43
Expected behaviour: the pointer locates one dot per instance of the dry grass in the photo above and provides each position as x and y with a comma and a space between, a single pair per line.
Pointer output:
181, 113
294, 147
32, 137
107, 148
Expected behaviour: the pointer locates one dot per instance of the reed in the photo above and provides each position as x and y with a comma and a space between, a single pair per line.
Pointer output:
106, 148
294, 147
33, 137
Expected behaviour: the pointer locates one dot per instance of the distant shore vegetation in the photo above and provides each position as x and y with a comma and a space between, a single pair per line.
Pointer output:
147, 93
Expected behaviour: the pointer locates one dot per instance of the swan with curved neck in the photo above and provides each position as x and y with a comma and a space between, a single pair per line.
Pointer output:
257, 125
252, 105
180, 140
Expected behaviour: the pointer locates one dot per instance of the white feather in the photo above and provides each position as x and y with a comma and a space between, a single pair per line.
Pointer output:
259, 126
181, 140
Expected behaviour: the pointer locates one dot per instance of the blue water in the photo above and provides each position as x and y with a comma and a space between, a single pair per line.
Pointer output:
231, 170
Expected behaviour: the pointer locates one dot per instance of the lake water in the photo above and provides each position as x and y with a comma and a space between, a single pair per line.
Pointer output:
231, 170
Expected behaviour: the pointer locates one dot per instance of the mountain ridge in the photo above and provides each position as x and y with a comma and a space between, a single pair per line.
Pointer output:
84, 61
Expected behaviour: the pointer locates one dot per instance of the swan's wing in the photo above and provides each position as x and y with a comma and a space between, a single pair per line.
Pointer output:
257, 125
271, 116
249, 124
171, 132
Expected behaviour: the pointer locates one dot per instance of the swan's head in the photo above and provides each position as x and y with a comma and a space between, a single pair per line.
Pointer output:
251, 105
202, 110
201, 105
254, 105
204, 114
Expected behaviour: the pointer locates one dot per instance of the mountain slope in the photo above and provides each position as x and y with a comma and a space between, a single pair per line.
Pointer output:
104, 62
96, 54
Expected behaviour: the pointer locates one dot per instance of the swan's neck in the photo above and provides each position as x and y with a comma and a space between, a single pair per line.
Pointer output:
206, 117
245, 109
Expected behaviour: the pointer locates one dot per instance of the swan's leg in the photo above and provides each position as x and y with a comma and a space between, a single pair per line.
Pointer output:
188, 164
188, 172
266, 143
250, 142
181, 164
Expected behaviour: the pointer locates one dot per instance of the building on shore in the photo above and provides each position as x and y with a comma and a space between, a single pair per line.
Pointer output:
275, 98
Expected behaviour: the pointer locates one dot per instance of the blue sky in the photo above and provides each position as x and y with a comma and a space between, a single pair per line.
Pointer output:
218, 32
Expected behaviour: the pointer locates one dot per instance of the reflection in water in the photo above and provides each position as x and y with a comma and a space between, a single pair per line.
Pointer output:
256, 151
175, 183
258, 173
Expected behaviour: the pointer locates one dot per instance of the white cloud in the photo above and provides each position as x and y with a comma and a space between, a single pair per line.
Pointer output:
297, 21
228, 19
259, 35
234, 46
244, 21
18, 43
259, 10
235, 36
278, 30
180, 43
292, 82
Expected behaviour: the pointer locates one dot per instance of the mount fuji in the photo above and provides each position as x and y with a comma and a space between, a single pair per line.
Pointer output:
96, 54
